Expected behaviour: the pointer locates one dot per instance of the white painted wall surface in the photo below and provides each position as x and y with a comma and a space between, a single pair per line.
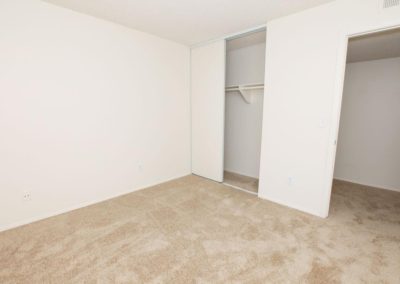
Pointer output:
243, 122
88, 110
369, 136
245, 62
208, 108
304, 69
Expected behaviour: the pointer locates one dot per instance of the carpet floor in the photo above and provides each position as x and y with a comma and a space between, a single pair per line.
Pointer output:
192, 230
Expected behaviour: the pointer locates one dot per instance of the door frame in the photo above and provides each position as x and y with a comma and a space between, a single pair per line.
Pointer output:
262, 28
337, 106
224, 38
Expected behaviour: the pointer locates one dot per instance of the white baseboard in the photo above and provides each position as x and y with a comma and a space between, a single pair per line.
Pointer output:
81, 205
292, 206
369, 185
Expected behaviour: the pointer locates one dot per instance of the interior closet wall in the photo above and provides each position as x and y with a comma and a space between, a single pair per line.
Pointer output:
369, 137
245, 64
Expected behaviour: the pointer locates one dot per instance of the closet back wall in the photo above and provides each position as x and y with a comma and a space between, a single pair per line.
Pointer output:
245, 64
88, 110
369, 136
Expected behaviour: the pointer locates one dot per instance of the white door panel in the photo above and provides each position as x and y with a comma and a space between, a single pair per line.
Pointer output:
208, 107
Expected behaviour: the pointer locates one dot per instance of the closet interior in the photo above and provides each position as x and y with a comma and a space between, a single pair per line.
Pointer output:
368, 153
245, 73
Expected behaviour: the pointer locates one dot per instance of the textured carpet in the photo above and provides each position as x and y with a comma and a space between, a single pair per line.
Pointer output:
241, 181
193, 230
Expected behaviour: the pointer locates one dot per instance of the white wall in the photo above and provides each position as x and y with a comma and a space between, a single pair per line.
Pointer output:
88, 110
245, 64
369, 136
304, 69
245, 60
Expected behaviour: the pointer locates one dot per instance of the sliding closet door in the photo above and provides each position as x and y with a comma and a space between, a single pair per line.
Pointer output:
208, 104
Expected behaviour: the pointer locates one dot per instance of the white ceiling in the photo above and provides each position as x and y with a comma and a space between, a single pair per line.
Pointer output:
189, 21
375, 46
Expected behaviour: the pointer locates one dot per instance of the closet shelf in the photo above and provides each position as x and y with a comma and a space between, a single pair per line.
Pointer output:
247, 91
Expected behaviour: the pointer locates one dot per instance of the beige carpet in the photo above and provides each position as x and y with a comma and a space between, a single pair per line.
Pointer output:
196, 231
241, 181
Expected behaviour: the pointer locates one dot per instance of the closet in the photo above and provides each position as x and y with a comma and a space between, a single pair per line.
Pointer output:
368, 152
227, 87
244, 90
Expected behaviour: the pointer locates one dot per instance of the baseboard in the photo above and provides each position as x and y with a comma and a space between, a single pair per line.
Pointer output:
368, 185
292, 206
81, 205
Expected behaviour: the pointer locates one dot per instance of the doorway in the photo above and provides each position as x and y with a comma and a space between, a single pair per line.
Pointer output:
245, 73
368, 155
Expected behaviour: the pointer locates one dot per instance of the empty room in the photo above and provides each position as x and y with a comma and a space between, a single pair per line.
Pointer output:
191, 141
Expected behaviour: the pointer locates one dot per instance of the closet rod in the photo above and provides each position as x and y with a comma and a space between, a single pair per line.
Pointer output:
246, 91
245, 87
